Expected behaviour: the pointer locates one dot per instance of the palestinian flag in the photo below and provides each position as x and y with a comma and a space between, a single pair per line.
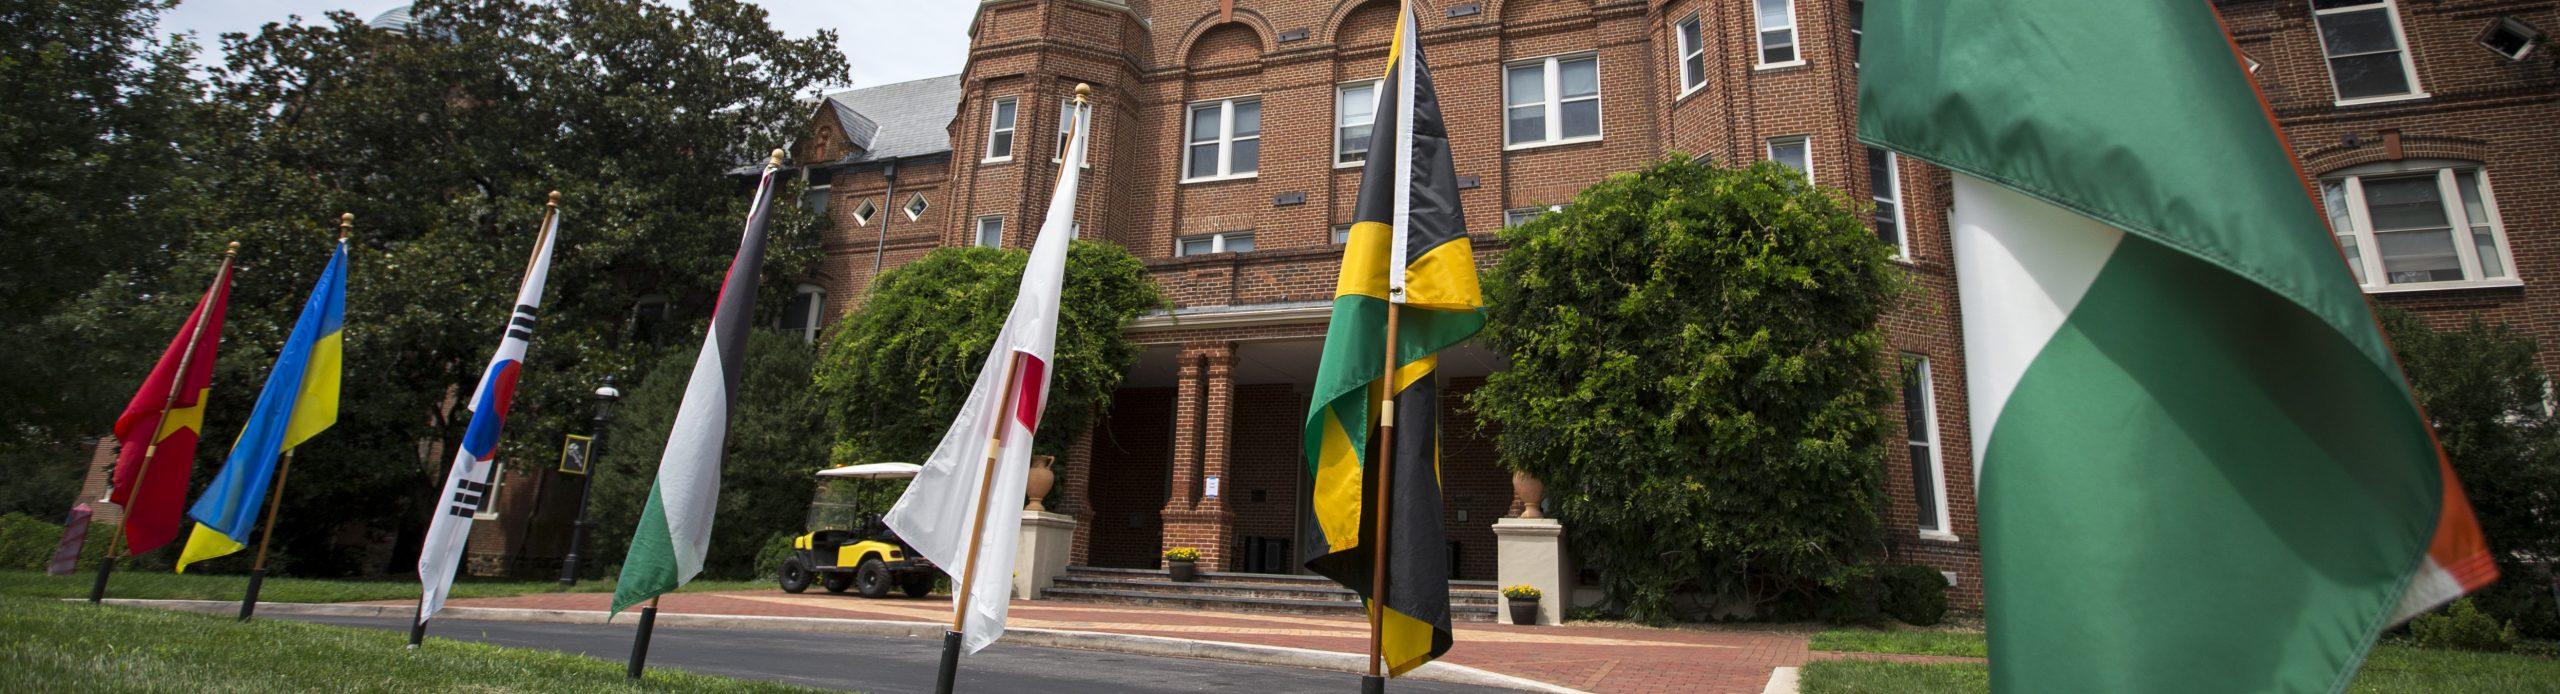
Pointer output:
675, 526
160, 427
2201, 468
1408, 247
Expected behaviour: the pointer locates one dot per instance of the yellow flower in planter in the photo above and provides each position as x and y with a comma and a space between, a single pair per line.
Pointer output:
1182, 554
1522, 592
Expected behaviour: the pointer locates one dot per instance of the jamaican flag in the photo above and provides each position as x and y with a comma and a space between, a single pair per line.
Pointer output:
1408, 246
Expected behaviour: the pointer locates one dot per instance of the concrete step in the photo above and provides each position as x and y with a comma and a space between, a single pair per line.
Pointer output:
1218, 603
1326, 591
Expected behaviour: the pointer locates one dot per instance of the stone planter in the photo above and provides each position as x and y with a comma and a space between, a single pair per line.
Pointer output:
1524, 612
1530, 492
1181, 571
1044, 474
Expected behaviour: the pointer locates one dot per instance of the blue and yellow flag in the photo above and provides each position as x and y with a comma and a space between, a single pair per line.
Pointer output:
301, 399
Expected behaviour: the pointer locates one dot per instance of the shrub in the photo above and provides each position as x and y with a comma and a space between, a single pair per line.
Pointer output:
1698, 374
775, 448
2484, 395
2463, 626
777, 547
27, 543
1915, 594
1859, 599
1182, 554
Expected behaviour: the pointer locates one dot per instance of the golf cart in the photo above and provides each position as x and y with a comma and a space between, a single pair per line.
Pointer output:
856, 550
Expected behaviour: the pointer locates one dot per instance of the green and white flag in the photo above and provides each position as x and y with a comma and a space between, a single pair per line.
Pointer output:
675, 526
2201, 469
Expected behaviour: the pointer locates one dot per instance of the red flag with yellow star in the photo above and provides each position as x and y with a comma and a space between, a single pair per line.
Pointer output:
159, 428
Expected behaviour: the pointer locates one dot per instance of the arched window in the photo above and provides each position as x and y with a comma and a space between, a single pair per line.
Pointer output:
2418, 224
803, 316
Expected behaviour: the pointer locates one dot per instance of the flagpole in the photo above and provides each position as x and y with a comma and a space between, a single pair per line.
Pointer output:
258, 568
1376, 681
151, 449
640, 643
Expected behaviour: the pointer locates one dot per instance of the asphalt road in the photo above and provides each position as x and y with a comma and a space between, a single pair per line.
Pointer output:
885, 665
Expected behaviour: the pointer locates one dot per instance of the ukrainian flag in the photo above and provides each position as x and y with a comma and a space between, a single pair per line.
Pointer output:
301, 399
1409, 248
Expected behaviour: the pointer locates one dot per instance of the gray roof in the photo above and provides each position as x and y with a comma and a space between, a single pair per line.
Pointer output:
904, 119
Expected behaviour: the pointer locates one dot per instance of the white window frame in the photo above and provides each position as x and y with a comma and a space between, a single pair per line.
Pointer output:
1341, 234
1945, 519
1534, 212
488, 508
1217, 242
1000, 126
824, 201
863, 213
1901, 220
1341, 95
978, 231
817, 308
2448, 188
1760, 39
916, 207
1857, 34
1066, 114
2399, 32
1689, 40
1552, 69
1226, 139
1769, 151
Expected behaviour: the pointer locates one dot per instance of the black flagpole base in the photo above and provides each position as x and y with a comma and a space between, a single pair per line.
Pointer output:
98, 590
249, 602
1373, 684
640, 646
950, 663
418, 626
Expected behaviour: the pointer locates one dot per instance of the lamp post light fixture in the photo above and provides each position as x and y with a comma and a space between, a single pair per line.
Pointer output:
605, 396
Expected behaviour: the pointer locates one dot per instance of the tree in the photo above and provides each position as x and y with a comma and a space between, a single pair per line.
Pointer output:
2487, 401
776, 447
443, 139
1697, 373
92, 178
895, 371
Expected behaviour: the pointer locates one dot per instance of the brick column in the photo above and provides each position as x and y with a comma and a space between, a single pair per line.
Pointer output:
1075, 500
1200, 452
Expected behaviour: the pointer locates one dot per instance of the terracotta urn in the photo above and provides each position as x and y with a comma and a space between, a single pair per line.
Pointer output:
1043, 476
1529, 491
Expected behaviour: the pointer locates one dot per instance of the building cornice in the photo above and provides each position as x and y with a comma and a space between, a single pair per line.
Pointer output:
1295, 312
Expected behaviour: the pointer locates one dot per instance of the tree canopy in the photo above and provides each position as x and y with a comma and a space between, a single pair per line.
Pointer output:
776, 447
443, 139
1698, 375
2488, 403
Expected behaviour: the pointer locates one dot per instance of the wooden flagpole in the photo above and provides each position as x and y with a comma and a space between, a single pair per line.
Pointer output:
151, 448
1385, 470
275, 495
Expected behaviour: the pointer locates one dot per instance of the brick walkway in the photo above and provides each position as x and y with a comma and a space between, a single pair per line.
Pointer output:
1604, 659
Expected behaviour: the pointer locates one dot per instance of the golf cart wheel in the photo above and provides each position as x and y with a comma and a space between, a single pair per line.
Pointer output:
918, 584
871, 579
795, 575
838, 582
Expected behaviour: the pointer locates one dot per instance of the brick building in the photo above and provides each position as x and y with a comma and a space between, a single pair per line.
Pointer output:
1226, 156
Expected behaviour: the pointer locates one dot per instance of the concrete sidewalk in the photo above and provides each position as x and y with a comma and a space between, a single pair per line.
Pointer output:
1604, 659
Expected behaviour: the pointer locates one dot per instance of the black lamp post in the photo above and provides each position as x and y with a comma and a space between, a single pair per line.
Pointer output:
595, 456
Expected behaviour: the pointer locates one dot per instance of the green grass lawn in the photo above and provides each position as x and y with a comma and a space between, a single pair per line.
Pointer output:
163, 585
49, 645
2391, 668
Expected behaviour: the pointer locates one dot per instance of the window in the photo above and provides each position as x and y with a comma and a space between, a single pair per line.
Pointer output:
1223, 242
2418, 224
1524, 215
2367, 59
1355, 108
1551, 101
1000, 119
1693, 55
815, 201
1920, 427
1341, 234
1777, 33
991, 231
1224, 140
1066, 125
1857, 31
2511, 37
1793, 153
801, 317
862, 213
649, 319
915, 207
1884, 179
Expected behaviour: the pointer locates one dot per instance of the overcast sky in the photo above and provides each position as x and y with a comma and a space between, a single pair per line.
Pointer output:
926, 38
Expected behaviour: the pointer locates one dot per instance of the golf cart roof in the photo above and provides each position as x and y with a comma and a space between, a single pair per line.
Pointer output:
874, 471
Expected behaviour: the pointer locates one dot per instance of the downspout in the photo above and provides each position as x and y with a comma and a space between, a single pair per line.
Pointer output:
880, 251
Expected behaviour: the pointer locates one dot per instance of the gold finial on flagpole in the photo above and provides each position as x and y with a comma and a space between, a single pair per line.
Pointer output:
555, 199
346, 225
775, 161
233, 249
1083, 90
